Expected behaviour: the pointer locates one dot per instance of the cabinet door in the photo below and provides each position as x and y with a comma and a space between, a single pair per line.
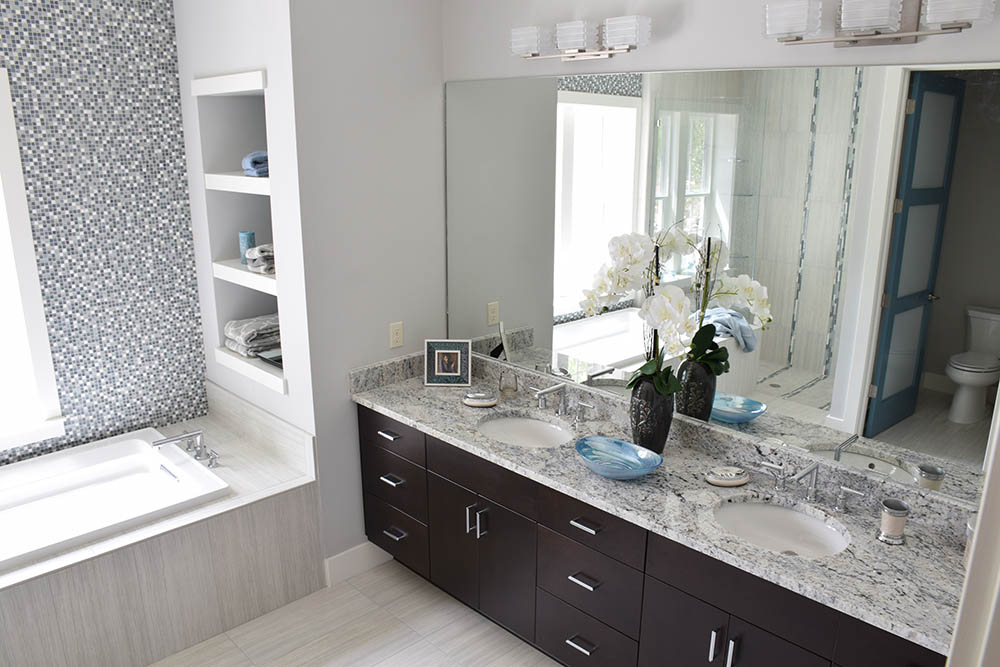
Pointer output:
451, 513
752, 647
507, 567
678, 629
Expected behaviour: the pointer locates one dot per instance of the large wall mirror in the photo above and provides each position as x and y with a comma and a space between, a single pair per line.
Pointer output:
544, 172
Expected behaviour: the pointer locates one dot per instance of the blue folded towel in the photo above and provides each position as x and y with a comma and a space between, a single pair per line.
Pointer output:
731, 323
255, 164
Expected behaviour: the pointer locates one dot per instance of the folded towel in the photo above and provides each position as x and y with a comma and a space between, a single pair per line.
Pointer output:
262, 251
261, 265
245, 331
255, 160
248, 351
731, 323
258, 172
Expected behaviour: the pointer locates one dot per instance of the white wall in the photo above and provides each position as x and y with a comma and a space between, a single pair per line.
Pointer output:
370, 121
224, 37
687, 34
501, 158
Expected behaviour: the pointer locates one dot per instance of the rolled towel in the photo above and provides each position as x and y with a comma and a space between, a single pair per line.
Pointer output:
246, 331
731, 323
255, 164
261, 265
259, 172
264, 250
248, 351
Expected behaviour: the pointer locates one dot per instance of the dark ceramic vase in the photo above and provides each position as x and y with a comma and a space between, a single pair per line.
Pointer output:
650, 413
697, 390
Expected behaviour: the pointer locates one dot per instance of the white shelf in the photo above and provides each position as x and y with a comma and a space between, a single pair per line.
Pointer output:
236, 272
253, 368
237, 181
243, 83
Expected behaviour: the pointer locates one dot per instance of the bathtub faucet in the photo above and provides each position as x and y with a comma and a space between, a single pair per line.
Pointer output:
192, 442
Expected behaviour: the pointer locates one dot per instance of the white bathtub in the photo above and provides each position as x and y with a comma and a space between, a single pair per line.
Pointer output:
58, 501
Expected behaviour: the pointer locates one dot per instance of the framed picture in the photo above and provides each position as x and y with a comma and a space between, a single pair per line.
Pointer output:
448, 362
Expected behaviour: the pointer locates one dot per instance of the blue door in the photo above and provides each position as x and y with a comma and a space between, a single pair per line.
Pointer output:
928, 156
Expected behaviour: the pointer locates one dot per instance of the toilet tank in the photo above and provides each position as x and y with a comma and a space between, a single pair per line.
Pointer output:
984, 329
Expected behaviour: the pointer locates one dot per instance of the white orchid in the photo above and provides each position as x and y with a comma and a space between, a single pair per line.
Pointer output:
743, 292
668, 311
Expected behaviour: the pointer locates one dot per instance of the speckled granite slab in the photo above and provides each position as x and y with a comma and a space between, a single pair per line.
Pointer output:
911, 590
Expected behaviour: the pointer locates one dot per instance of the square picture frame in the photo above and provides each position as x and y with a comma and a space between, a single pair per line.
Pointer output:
448, 362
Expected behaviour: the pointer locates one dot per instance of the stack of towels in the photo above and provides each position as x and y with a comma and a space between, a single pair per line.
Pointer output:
254, 335
261, 259
255, 164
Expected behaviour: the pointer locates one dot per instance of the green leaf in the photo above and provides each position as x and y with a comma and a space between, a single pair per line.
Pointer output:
704, 337
650, 366
660, 384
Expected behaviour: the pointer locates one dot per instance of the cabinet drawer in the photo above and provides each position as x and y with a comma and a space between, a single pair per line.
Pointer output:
778, 610
400, 534
569, 635
376, 428
863, 645
395, 480
599, 530
597, 584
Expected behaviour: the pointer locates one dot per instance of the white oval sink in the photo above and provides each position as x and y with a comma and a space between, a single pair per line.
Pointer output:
786, 530
864, 462
526, 432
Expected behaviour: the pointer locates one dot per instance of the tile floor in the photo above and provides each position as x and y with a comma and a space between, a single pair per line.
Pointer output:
929, 431
386, 617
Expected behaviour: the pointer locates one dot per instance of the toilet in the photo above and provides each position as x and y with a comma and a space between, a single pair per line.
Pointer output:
977, 369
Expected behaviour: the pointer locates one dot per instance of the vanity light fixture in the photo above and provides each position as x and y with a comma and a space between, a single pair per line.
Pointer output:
582, 39
873, 22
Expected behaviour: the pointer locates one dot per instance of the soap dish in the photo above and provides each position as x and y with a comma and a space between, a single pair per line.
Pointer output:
727, 476
480, 400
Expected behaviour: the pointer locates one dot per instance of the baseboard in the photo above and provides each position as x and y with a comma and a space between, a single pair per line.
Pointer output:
353, 561
937, 382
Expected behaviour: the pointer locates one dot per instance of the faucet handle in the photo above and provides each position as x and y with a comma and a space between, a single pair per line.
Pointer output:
213, 458
779, 472
582, 410
841, 505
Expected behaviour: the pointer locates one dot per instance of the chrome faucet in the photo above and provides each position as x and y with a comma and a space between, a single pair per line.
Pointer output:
592, 376
812, 472
844, 445
841, 505
193, 441
542, 394
778, 470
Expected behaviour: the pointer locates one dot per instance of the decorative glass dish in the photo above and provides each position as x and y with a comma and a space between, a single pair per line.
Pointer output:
616, 459
734, 409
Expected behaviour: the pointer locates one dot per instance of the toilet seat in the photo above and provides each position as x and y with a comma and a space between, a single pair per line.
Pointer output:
975, 362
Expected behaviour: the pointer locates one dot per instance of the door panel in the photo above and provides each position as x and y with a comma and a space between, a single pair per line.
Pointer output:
752, 647
507, 568
453, 549
929, 142
677, 629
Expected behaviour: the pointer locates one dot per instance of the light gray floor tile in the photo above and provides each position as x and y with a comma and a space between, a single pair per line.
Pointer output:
365, 641
387, 582
219, 651
473, 640
421, 654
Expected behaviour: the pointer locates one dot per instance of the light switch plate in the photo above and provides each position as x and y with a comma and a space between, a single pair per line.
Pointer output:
492, 313
395, 334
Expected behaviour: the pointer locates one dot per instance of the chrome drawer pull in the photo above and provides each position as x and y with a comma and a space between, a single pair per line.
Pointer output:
731, 653
392, 480
468, 518
713, 645
480, 524
395, 537
389, 435
576, 579
574, 642
578, 522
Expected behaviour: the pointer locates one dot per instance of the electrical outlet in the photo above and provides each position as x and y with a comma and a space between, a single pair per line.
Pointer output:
493, 313
395, 334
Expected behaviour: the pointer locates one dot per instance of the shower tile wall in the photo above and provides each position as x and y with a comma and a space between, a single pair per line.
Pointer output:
97, 106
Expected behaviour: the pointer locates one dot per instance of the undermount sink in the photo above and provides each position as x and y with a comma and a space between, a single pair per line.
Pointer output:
864, 462
524, 431
788, 530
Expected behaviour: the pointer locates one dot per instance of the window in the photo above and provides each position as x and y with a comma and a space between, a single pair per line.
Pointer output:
29, 405
597, 175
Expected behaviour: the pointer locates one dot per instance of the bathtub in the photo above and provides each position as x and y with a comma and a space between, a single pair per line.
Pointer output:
59, 501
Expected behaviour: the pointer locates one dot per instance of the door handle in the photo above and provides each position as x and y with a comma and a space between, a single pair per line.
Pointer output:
468, 518
932, 297
389, 435
731, 653
480, 523
397, 536
713, 645
392, 480
580, 523
577, 642
578, 579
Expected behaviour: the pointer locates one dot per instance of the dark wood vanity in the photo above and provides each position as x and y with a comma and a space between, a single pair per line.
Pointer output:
582, 585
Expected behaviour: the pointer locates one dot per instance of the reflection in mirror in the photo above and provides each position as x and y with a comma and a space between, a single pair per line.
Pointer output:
544, 172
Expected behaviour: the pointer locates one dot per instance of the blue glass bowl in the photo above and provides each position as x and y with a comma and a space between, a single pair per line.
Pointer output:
616, 459
734, 409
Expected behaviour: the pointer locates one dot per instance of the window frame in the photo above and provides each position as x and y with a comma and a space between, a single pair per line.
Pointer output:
15, 200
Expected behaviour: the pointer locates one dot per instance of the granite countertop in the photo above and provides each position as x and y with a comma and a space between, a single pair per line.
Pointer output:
912, 590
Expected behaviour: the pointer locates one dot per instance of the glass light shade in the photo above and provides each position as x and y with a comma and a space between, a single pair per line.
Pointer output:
627, 31
529, 40
792, 18
867, 15
574, 35
944, 12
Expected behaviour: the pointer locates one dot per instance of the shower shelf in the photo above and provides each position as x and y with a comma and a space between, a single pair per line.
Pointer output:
234, 271
237, 181
259, 371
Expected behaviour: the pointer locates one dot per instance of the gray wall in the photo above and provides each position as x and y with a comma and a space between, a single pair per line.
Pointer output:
501, 204
967, 274
99, 125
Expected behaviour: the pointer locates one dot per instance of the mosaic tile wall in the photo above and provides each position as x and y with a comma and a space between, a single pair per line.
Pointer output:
97, 105
627, 85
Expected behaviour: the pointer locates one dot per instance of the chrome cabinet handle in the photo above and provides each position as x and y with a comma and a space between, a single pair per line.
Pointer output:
575, 640
578, 580
389, 435
578, 522
392, 480
395, 537
731, 653
468, 518
713, 645
480, 523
